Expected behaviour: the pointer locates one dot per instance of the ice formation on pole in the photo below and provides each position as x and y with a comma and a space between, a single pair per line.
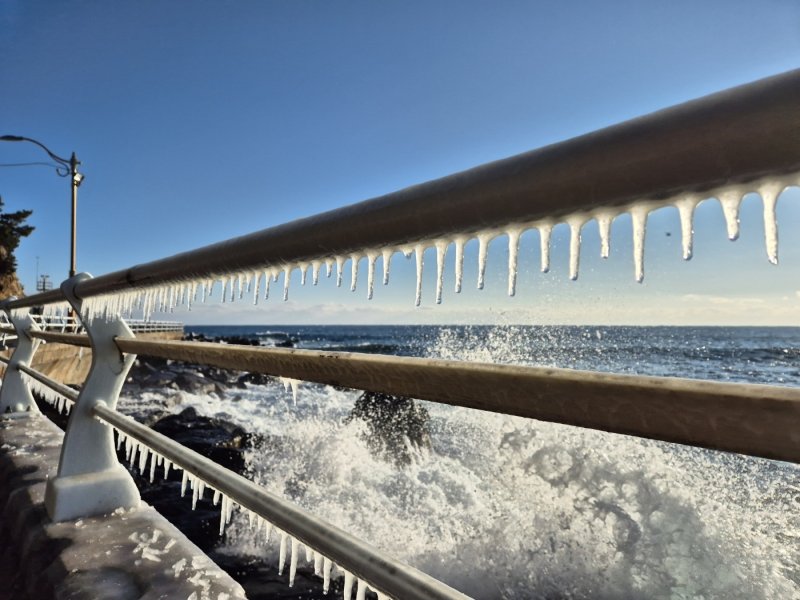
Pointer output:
61, 403
293, 384
167, 297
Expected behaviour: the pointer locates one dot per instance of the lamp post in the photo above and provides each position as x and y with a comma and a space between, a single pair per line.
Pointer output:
65, 168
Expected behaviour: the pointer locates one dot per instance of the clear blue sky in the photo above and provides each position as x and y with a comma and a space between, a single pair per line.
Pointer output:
198, 121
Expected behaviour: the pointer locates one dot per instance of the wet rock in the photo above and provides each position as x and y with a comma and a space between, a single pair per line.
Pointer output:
397, 427
195, 383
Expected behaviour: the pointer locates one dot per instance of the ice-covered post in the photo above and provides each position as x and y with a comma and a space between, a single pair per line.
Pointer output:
90, 479
15, 395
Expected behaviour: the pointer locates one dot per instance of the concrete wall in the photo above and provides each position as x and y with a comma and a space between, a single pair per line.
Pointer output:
70, 364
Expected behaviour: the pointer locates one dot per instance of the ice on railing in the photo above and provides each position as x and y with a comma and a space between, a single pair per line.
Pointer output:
139, 455
293, 384
61, 403
234, 285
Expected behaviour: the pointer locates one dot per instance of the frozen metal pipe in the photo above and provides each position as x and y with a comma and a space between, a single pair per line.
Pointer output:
759, 420
363, 560
732, 136
59, 387
72, 339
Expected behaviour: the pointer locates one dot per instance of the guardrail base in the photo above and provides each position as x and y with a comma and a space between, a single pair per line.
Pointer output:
68, 498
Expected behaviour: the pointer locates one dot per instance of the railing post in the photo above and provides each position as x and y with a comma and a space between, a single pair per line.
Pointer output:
90, 479
15, 395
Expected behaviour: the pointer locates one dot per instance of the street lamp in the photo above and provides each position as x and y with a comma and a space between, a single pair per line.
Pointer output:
65, 168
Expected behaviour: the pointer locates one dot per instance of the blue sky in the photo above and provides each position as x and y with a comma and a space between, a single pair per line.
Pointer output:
199, 121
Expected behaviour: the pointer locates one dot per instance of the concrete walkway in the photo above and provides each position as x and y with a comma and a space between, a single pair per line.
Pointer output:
134, 554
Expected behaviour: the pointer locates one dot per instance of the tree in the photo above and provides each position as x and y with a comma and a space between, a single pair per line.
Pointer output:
12, 230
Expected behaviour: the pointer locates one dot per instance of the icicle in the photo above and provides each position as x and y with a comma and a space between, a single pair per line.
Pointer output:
459, 243
328, 267
686, 206
256, 285
361, 589
371, 258
229, 510
293, 561
288, 383
386, 255
441, 250
339, 268
167, 465
347, 592
222, 514
184, 481
216, 497
419, 251
326, 574
639, 220
282, 553
152, 468
604, 227
251, 518
240, 279
513, 250
317, 564
303, 273
730, 199
287, 272
195, 494
354, 260
545, 232
483, 249
315, 265
309, 553
769, 192
267, 279
143, 456
575, 224
224, 289
267, 530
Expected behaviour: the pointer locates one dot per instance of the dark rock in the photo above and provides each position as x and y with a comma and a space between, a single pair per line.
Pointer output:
252, 378
194, 383
397, 426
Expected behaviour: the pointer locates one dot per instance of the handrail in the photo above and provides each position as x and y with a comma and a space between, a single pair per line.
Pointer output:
758, 420
363, 560
751, 419
72, 339
733, 136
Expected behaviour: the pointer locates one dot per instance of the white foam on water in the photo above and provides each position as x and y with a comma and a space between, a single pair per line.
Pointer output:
602, 515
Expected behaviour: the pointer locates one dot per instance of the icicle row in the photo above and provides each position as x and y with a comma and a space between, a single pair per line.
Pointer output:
167, 297
61, 403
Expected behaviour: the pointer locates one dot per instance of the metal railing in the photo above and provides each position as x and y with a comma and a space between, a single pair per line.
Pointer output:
742, 135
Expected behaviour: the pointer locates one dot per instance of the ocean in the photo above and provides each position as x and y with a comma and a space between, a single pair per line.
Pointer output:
505, 507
